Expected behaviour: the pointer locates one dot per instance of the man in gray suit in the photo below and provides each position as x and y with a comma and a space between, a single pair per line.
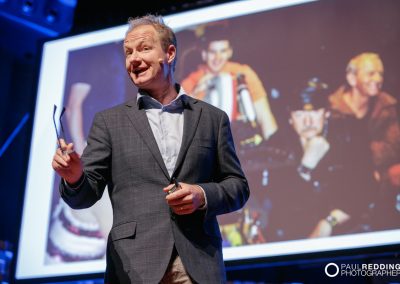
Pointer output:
140, 150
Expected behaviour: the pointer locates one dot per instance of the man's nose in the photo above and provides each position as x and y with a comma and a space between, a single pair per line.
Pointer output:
134, 58
218, 55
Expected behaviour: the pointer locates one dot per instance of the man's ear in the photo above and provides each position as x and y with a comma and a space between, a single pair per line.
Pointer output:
351, 79
171, 53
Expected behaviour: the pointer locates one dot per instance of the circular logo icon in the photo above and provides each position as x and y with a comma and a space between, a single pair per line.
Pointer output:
332, 274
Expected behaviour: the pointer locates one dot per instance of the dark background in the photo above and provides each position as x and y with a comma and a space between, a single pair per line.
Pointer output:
20, 48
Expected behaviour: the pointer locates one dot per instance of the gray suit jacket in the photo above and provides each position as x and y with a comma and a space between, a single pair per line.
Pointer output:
123, 154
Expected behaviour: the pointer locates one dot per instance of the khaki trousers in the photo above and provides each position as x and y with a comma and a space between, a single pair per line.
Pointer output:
176, 272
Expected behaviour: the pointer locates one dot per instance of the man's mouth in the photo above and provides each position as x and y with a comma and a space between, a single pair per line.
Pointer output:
309, 129
139, 71
374, 88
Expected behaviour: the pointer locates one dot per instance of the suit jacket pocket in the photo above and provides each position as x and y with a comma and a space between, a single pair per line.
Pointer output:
123, 231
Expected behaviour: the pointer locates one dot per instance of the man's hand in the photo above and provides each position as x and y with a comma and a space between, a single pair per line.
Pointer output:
187, 199
67, 163
314, 151
340, 216
324, 228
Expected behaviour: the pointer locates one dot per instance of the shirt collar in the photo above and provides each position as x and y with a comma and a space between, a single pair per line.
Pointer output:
145, 101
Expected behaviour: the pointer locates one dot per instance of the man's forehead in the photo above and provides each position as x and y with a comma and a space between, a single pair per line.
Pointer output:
310, 112
370, 64
143, 32
224, 43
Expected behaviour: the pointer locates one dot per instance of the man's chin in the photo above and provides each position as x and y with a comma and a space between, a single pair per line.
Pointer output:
310, 134
140, 83
373, 91
216, 70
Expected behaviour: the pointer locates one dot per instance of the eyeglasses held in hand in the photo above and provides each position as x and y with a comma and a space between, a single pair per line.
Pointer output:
62, 133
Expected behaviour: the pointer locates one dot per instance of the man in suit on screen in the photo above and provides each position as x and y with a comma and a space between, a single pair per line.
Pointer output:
170, 166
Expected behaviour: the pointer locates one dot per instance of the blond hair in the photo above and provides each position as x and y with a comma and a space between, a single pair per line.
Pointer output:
355, 63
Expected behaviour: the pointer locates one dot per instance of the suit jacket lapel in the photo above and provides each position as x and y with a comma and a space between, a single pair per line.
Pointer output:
140, 122
191, 114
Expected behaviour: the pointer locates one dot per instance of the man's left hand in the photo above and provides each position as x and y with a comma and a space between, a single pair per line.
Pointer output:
187, 199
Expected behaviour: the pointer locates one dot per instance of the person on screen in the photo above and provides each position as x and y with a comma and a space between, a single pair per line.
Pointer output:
237, 89
295, 189
326, 187
78, 235
231, 86
170, 166
366, 111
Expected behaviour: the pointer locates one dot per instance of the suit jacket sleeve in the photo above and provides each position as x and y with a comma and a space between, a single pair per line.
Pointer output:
229, 191
96, 161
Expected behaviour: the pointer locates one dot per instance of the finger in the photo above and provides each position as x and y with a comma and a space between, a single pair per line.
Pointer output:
60, 160
63, 155
68, 149
72, 153
168, 188
179, 202
175, 199
59, 169
55, 165
62, 144
178, 194
69, 152
183, 209
60, 152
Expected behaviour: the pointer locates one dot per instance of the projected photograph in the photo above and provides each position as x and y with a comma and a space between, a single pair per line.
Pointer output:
312, 97
320, 146
95, 80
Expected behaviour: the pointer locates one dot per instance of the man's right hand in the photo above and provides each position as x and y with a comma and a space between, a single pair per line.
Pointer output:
67, 163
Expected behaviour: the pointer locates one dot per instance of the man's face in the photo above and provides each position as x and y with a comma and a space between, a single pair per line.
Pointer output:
217, 54
146, 61
369, 77
308, 123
